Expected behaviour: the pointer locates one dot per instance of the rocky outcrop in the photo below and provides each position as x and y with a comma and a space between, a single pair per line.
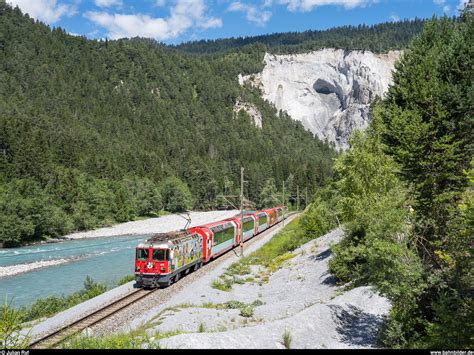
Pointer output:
329, 90
251, 110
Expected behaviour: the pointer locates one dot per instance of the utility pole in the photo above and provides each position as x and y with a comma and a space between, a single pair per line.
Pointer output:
241, 233
283, 203
297, 197
306, 198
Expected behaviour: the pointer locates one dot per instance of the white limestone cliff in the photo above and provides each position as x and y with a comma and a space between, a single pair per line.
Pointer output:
328, 90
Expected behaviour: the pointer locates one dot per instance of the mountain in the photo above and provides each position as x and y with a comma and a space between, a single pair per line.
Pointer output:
329, 91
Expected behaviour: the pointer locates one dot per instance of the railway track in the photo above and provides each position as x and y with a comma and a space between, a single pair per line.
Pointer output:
53, 339
60, 335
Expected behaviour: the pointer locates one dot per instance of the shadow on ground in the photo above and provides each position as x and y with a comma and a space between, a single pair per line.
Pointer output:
321, 256
355, 326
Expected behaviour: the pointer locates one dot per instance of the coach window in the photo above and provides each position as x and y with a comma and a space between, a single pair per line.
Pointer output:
159, 254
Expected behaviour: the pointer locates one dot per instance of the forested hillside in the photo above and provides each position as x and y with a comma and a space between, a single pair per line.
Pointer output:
95, 132
405, 193
376, 38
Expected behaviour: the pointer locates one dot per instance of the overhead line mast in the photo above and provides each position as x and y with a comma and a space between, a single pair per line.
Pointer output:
241, 231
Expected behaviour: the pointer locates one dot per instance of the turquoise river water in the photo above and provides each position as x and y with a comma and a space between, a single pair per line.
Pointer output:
104, 259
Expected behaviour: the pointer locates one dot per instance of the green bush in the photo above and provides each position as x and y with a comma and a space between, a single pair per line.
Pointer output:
45, 307
113, 341
11, 320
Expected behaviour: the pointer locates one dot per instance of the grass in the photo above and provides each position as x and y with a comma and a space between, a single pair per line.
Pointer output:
126, 279
48, 306
133, 340
137, 339
287, 339
246, 309
273, 255
201, 328
223, 285
45, 307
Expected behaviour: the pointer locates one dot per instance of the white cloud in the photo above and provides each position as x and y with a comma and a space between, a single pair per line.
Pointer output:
394, 18
446, 8
252, 12
461, 5
160, 3
46, 10
108, 3
308, 5
185, 14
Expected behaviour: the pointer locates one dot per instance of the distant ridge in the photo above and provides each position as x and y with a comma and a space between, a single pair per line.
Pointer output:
376, 38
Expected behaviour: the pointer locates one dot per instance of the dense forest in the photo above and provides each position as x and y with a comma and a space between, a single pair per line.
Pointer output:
404, 192
376, 38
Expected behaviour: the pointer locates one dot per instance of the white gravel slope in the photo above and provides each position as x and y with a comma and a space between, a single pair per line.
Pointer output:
301, 299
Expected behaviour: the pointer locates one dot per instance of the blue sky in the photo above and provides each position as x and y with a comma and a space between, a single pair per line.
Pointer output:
176, 21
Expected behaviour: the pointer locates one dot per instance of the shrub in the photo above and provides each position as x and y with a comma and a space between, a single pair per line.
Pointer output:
10, 327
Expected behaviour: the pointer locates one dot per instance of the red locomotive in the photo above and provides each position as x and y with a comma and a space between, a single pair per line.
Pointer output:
165, 257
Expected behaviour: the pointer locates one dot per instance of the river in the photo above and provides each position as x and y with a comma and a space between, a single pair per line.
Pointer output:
105, 259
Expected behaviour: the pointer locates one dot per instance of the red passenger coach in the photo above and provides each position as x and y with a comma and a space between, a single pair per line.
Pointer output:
272, 216
249, 226
219, 237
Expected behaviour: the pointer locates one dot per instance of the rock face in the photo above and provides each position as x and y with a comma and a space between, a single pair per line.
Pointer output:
329, 90
251, 110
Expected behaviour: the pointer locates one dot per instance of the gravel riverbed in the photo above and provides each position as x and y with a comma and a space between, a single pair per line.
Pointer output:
154, 225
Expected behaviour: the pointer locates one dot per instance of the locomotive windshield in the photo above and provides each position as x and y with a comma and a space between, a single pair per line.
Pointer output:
159, 254
142, 254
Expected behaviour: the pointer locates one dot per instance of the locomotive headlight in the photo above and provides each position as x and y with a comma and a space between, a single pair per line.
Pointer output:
137, 268
149, 265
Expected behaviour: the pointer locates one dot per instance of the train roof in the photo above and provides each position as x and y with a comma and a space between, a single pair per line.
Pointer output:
165, 238
217, 223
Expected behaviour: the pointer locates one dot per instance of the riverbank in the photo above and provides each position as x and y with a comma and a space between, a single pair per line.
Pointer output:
146, 226
154, 225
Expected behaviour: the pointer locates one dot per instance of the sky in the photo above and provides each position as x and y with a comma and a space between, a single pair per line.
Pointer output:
177, 21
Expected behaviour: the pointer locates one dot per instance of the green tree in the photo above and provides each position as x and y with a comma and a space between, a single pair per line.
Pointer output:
428, 119
176, 195
269, 196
